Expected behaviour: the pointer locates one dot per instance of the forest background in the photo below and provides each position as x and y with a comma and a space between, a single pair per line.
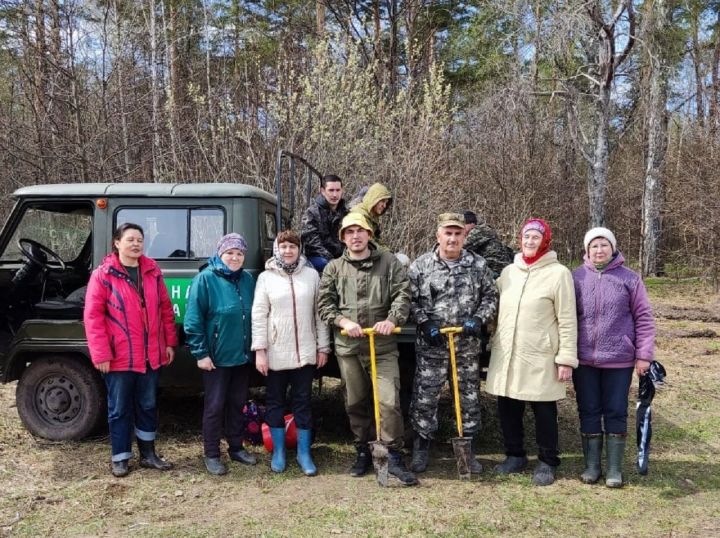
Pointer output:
580, 112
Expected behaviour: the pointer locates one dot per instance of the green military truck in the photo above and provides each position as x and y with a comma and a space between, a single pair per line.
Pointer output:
52, 240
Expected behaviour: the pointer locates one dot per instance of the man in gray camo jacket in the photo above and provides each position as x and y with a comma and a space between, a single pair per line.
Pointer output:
451, 287
484, 241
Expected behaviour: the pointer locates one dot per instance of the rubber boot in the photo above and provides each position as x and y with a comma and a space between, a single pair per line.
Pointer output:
304, 440
277, 464
420, 455
615, 456
544, 474
149, 458
396, 467
512, 464
120, 468
363, 462
592, 452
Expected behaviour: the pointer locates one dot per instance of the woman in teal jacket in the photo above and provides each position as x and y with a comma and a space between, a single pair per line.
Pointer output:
218, 332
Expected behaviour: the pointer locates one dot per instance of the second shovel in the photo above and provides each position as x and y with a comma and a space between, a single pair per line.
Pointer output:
462, 446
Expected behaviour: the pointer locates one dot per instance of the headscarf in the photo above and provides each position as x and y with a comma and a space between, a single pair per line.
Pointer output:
539, 225
231, 240
289, 268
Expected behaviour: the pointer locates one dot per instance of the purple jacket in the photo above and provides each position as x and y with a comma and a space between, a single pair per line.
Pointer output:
615, 320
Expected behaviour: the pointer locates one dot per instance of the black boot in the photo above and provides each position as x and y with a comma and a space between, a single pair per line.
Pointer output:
421, 453
512, 464
120, 468
363, 462
544, 474
241, 455
592, 452
148, 457
396, 467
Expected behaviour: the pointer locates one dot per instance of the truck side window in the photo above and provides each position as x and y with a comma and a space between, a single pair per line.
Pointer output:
177, 232
63, 230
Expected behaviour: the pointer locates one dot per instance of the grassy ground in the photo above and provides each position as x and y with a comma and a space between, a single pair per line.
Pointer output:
65, 489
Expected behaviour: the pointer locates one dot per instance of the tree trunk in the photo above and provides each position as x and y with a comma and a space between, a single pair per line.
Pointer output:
657, 124
320, 18
715, 94
597, 185
155, 95
696, 56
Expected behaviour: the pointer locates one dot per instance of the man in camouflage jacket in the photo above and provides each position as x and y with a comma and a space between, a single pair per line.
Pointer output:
483, 240
451, 287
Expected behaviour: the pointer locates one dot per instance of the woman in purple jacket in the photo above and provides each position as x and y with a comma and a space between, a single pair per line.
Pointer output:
616, 335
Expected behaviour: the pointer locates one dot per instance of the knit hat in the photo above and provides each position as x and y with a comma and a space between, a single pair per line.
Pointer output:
600, 232
353, 219
231, 240
470, 217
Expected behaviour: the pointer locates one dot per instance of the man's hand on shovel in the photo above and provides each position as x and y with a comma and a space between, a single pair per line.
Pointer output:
352, 329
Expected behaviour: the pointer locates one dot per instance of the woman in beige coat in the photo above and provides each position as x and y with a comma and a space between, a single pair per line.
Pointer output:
290, 342
534, 349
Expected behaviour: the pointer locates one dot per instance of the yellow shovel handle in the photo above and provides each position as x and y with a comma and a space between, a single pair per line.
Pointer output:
370, 332
451, 332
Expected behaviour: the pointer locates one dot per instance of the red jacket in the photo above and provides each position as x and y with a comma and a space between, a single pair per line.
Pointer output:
118, 328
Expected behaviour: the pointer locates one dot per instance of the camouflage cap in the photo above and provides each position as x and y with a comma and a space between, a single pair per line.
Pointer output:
450, 219
353, 219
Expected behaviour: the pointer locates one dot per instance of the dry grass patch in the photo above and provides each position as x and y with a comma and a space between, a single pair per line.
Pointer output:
65, 489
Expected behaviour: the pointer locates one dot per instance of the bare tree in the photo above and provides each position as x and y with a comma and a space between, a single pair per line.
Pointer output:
656, 24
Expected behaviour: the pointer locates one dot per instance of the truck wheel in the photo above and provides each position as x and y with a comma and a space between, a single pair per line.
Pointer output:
60, 398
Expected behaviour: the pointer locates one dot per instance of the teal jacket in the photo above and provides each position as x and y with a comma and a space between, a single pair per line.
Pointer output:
217, 320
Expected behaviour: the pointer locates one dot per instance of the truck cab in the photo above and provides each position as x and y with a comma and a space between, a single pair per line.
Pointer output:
53, 239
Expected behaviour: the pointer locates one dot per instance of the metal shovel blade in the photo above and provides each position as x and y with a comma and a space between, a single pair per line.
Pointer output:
380, 462
462, 447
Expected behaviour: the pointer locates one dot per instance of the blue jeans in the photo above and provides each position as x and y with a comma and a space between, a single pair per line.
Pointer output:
318, 262
602, 398
131, 404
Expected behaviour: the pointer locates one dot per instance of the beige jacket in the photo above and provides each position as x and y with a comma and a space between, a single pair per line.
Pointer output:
285, 318
536, 330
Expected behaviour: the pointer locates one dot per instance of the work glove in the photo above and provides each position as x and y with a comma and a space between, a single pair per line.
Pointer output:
431, 334
472, 327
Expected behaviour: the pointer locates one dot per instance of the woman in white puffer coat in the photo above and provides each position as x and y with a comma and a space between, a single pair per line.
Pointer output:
290, 342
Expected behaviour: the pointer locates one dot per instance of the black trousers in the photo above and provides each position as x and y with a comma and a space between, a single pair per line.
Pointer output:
511, 413
226, 390
300, 382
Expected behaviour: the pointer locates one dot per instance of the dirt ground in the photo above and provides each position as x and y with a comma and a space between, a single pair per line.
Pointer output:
65, 489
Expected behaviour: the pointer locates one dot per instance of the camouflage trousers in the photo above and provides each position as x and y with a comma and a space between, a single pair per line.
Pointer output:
431, 372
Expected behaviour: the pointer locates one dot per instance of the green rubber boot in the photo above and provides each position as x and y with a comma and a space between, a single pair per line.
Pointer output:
592, 451
615, 455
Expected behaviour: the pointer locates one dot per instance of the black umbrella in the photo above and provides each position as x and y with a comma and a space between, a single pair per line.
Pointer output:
655, 377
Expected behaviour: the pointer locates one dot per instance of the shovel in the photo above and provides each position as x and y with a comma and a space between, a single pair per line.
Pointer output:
379, 451
462, 446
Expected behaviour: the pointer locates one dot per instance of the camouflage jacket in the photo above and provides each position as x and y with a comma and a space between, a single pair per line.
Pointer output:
450, 296
483, 240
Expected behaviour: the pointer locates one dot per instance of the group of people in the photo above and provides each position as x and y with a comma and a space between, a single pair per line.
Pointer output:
593, 326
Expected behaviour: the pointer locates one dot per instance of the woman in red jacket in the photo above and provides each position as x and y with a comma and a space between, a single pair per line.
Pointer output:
130, 330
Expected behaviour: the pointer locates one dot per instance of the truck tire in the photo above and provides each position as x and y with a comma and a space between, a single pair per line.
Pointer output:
61, 398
